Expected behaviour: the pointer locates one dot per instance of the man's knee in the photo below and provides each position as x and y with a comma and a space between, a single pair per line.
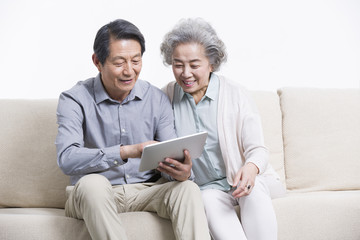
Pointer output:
189, 186
186, 190
92, 186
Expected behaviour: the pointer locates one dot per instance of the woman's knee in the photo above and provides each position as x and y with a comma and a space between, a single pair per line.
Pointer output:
259, 193
214, 198
209, 197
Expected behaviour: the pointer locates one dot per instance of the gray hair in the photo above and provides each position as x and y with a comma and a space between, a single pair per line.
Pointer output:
194, 31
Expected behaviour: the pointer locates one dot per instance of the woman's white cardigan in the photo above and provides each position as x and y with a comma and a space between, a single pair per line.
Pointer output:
239, 129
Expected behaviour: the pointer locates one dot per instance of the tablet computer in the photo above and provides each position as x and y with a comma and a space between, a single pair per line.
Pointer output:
173, 148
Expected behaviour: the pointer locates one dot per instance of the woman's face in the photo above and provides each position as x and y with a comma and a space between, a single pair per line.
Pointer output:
191, 69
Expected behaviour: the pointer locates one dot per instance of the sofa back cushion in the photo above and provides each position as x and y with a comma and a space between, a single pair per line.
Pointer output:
29, 175
269, 108
321, 131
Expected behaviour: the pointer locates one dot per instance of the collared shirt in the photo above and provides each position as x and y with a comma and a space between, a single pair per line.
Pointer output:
92, 127
209, 169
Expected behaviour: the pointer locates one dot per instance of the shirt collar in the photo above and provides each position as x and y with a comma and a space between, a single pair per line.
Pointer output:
213, 88
101, 95
137, 92
211, 91
99, 90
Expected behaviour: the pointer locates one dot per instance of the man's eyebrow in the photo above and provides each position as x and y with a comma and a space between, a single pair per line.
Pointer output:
136, 55
118, 57
123, 58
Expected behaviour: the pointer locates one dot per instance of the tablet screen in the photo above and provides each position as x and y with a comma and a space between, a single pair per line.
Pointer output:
173, 148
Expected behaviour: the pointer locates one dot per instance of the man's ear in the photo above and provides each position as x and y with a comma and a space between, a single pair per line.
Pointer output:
96, 62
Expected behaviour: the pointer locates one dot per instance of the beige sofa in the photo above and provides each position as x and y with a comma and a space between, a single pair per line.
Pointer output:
314, 140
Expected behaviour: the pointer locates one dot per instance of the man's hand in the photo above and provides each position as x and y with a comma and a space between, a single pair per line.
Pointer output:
180, 171
135, 150
246, 175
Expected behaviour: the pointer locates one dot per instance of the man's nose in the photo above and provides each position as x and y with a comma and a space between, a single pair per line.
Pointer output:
128, 68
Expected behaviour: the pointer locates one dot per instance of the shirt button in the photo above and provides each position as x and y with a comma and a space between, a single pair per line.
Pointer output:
127, 176
123, 130
115, 162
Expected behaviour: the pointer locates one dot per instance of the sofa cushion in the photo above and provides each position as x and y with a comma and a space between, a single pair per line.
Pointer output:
45, 224
328, 215
29, 175
269, 109
321, 131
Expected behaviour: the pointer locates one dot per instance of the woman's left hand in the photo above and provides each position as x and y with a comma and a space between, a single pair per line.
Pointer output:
246, 176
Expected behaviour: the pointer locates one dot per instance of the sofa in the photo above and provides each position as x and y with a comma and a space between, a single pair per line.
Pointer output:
313, 136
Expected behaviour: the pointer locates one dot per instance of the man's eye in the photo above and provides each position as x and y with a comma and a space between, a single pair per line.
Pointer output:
195, 66
118, 64
178, 66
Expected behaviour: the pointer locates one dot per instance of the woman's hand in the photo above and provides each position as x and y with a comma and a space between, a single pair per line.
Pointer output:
180, 171
246, 176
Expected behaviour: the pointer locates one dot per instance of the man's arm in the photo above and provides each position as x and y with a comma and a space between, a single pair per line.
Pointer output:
73, 158
76, 159
133, 151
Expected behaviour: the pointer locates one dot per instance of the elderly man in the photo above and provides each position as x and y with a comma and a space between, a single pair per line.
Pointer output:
104, 123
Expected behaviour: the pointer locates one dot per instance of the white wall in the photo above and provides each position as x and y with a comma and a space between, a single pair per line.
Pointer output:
46, 45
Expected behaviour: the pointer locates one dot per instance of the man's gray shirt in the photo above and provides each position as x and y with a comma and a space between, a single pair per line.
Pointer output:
92, 126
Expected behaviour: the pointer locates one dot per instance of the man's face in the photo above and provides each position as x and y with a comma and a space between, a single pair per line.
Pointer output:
121, 68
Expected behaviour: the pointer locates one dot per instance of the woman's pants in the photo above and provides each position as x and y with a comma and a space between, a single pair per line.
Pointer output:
258, 220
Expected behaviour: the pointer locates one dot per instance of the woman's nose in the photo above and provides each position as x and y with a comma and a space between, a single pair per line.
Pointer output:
187, 72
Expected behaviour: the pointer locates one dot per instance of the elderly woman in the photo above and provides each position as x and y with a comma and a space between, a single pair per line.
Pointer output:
233, 169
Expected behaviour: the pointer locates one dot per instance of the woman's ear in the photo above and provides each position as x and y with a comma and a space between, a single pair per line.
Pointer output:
96, 62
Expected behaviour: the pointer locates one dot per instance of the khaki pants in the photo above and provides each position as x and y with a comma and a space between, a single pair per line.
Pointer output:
98, 203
